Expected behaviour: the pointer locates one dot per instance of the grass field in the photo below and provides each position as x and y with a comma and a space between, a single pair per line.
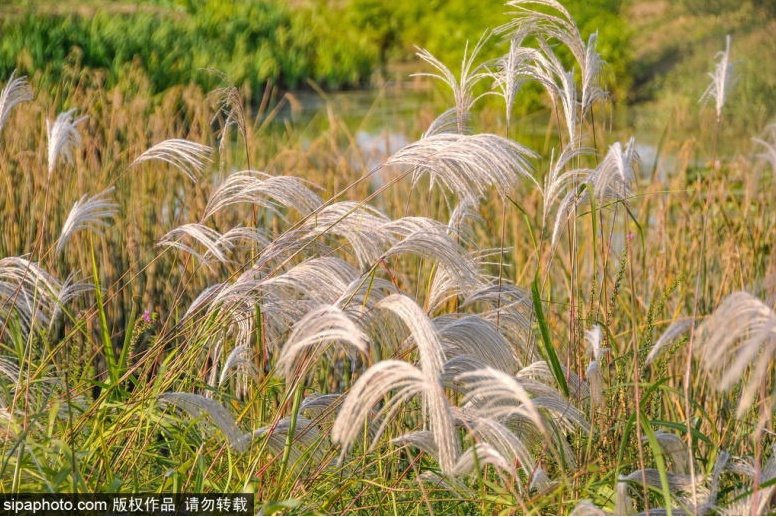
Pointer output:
194, 298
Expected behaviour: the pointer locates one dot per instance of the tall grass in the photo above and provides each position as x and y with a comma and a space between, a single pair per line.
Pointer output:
207, 318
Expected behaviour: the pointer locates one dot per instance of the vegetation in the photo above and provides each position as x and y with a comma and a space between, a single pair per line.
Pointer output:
336, 45
192, 300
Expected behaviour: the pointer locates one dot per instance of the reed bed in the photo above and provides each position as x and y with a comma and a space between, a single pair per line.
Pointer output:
192, 301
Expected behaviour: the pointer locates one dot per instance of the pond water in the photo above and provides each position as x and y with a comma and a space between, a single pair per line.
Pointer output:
381, 121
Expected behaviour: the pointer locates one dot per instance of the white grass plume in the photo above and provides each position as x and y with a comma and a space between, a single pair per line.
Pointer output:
421, 329
361, 225
467, 165
198, 407
475, 336
403, 381
739, 337
188, 157
263, 190
88, 213
29, 292
63, 138
440, 248
723, 80
462, 86
320, 329
477, 456
16, 91
611, 180
207, 237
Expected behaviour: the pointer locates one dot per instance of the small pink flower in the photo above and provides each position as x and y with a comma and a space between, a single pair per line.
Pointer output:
631, 236
147, 316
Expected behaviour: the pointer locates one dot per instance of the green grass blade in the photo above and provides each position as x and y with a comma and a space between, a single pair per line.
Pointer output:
549, 351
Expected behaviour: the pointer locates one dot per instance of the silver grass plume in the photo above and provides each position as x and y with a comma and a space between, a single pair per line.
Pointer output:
586, 507
769, 154
511, 71
561, 177
676, 450
722, 80
739, 336
308, 442
462, 86
29, 292
88, 213
550, 19
441, 249
16, 91
479, 455
63, 138
317, 331
360, 224
477, 337
611, 180
403, 381
199, 407
230, 106
485, 428
593, 373
467, 165
265, 191
188, 157
207, 237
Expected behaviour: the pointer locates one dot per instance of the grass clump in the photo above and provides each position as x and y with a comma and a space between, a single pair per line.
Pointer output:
470, 327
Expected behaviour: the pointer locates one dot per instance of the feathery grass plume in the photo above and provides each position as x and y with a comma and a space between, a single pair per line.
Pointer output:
321, 279
743, 505
676, 450
63, 138
209, 238
559, 83
769, 155
308, 442
239, 361
739, 335
486, 429
441, 249
475, 336
16, 91
361, 225
611, 180
511, 71
723, 80
198, 407
463, 218
29, 292
622, 501
422, 330
477, 456
230, 108
404, 381
680, 486
319, 330
674, 330
505, 397
88, 213
265, 191
188, 157
462, 87
586, 507
467, 165
560, 177
558, 24
512, 311
593, 372
540, 371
